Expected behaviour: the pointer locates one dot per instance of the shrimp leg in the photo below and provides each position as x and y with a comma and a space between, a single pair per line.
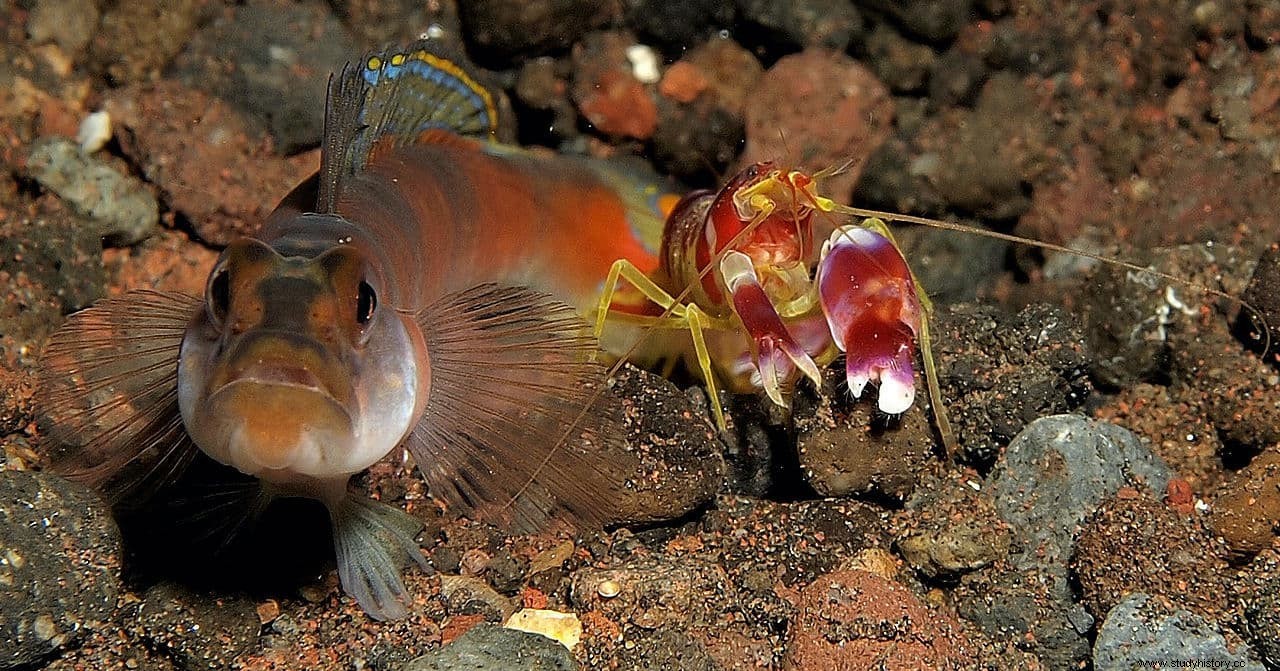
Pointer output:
676, 315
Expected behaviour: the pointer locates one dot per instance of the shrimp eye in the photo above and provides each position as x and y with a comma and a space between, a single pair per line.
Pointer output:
366, 303
219, 298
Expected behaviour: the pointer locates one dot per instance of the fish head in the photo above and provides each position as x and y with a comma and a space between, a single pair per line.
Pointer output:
292, 370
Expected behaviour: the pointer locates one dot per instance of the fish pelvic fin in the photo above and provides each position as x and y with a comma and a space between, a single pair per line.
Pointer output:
517, 429
108, 386
394, 96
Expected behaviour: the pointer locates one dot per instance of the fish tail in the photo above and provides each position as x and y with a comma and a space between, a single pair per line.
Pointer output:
394, 96
373, 541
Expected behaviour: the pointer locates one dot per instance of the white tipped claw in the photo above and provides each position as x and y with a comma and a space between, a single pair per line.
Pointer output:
896, 396
857, 383
770, 377
806, 365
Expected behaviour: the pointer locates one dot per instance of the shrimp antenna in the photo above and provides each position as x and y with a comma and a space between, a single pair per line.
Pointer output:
1255, 314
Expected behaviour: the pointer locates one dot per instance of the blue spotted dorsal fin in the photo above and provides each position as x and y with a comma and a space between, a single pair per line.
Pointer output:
394, 96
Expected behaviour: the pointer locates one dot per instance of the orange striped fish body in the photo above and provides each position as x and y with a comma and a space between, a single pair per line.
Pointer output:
447, 213
420, 291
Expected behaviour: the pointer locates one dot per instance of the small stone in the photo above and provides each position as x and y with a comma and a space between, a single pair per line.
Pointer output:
192, 145
68, 24
564, 628
819, 109
681, 467
675, 592
271, 61
486, 647
268, 611
832, 24
607, 589
931, 20
1140, 629
135, 40
644, 63
466, 595
122, 207
95, 132
1246, 509
1165, 555
954, 530
683, 82
501, 29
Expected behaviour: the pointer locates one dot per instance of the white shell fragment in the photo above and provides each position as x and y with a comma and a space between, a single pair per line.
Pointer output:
644, 63
564, 628
95, 131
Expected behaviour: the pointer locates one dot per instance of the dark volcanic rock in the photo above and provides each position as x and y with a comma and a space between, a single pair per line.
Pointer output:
486, 647
846, 446
1057, 472
272, 61
501, 30
931, 20
800, 24
135, 40
681, 466
999, 374
195, 630
58, 251
1165, 555
677, 26
59, 565
1052, 477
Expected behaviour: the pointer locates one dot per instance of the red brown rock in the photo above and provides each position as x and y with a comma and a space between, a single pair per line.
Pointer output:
855, 620
819, 109
198, 150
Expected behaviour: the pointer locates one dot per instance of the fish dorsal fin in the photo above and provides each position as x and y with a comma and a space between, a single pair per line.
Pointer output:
515, 431
394, 96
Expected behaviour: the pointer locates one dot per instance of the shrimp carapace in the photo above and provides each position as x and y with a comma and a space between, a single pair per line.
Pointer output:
415, 292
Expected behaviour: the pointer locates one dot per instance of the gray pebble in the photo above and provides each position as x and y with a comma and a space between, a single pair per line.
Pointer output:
487, 647
59, 566
1135, 634
120, 205
1057, 472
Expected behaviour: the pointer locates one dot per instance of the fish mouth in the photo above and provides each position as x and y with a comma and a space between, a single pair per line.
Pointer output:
276, 424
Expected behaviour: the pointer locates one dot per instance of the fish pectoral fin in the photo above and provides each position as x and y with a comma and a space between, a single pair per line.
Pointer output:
108, 390
519, 427
373, 543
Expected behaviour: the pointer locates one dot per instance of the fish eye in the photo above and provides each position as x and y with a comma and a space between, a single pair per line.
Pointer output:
366, 303
219, 295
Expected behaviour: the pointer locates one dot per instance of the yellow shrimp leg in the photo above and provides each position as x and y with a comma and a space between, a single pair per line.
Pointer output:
676, 316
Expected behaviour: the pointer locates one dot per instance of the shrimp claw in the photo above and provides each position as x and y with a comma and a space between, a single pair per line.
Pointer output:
776, 352
877, 315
